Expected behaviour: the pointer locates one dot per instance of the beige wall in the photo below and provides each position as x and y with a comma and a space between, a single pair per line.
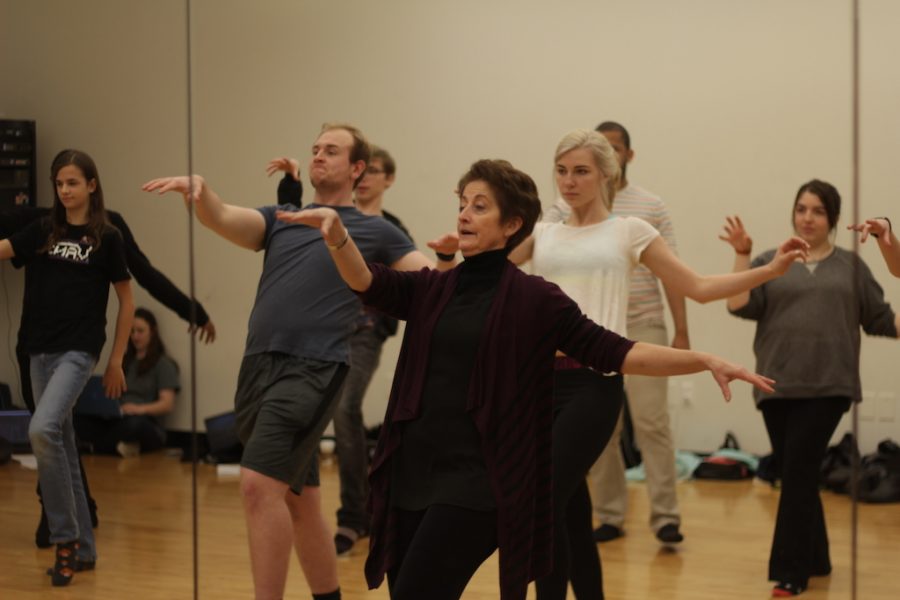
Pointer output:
731, 105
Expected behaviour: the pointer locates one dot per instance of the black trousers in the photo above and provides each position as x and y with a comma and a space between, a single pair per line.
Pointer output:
105, 434
800, 429
586, 408
440, 548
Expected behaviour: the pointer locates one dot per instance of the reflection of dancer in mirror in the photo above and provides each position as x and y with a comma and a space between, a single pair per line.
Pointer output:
807, 337
296, 355
646, 397
882, 230
151, 379
463, 464
145, 274
71, 259
591, 257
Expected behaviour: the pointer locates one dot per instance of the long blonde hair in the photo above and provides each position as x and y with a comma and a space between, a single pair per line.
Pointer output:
604, 158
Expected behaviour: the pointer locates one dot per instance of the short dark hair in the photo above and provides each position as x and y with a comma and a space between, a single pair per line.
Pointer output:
387, 161
516, 193
825, 192
360, 150
618, 127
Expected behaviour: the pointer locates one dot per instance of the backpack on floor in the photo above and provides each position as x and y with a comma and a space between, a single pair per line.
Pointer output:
728, 463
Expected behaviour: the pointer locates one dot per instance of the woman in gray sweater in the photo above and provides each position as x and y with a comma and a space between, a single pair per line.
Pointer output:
807, 339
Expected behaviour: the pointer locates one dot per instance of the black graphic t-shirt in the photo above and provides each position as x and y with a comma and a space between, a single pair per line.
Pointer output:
67, 286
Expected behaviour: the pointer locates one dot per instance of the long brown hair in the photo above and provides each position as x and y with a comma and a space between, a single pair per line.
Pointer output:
155, 348
97, 220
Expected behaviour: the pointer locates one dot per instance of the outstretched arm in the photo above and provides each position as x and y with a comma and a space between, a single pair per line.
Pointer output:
703, 288
237, 224
650, 359
881, 229
161, 287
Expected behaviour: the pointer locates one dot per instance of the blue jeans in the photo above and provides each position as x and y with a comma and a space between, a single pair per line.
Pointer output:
57, 380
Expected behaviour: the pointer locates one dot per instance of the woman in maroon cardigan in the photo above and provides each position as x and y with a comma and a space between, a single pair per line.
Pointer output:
463, 463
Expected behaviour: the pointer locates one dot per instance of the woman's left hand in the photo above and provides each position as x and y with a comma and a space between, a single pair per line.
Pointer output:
130, 408
324, 219
725, 372
793, 249
114, 381
446, 244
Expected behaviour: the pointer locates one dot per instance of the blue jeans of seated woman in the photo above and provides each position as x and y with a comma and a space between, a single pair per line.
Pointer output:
57, 380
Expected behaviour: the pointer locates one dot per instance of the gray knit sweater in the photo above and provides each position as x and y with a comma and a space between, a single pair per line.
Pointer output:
807, 332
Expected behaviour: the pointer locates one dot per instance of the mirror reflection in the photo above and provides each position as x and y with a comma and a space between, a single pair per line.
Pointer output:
97, 315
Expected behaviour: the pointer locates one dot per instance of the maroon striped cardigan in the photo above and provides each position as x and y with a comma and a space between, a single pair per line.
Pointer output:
509, 398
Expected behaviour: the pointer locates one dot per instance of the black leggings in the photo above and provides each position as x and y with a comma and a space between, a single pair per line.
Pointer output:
800, 429
586, 408
440, 548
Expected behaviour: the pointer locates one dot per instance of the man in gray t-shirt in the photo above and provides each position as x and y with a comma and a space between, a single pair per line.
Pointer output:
296, 354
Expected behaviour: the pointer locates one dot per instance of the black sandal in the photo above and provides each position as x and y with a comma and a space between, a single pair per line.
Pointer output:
66, 564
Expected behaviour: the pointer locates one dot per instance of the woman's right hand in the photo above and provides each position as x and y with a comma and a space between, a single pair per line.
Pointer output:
735, 235
880, 228
324, 219
793, 249
446, 244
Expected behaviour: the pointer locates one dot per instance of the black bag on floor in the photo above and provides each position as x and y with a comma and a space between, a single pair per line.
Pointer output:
880, 474
717, 466
837, 465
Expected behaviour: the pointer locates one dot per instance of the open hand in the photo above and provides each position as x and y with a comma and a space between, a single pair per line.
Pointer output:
324, 219
735, 234
879, 228
446, 244
205, 333
189, 187
725, 372
286, 164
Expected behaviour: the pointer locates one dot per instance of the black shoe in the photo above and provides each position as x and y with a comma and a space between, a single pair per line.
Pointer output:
669, 534
607, 533
345, 538
66, 561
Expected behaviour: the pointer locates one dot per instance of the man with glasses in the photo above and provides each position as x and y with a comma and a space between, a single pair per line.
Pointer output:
372, 329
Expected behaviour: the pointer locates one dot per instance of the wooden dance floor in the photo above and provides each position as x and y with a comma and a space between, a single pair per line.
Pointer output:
144, 542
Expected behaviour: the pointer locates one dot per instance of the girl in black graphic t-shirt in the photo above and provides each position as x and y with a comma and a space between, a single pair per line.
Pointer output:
71, 258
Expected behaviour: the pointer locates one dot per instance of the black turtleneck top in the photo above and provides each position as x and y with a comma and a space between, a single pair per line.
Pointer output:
440, 459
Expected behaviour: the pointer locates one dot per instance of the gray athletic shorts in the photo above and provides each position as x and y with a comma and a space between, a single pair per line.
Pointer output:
282, 405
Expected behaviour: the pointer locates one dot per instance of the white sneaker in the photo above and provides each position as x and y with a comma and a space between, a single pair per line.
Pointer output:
128, 449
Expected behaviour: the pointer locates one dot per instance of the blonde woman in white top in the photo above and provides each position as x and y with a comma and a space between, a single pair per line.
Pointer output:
591, 256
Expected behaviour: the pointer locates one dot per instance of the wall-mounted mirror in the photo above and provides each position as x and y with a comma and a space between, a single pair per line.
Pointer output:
110, 79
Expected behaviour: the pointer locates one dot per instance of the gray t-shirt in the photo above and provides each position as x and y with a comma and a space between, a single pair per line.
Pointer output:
807, 332
144, 388
303, 307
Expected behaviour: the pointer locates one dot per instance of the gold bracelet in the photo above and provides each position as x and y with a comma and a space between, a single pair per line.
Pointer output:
340, 244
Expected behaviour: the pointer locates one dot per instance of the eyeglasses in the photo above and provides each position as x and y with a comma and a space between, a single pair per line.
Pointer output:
374, 171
